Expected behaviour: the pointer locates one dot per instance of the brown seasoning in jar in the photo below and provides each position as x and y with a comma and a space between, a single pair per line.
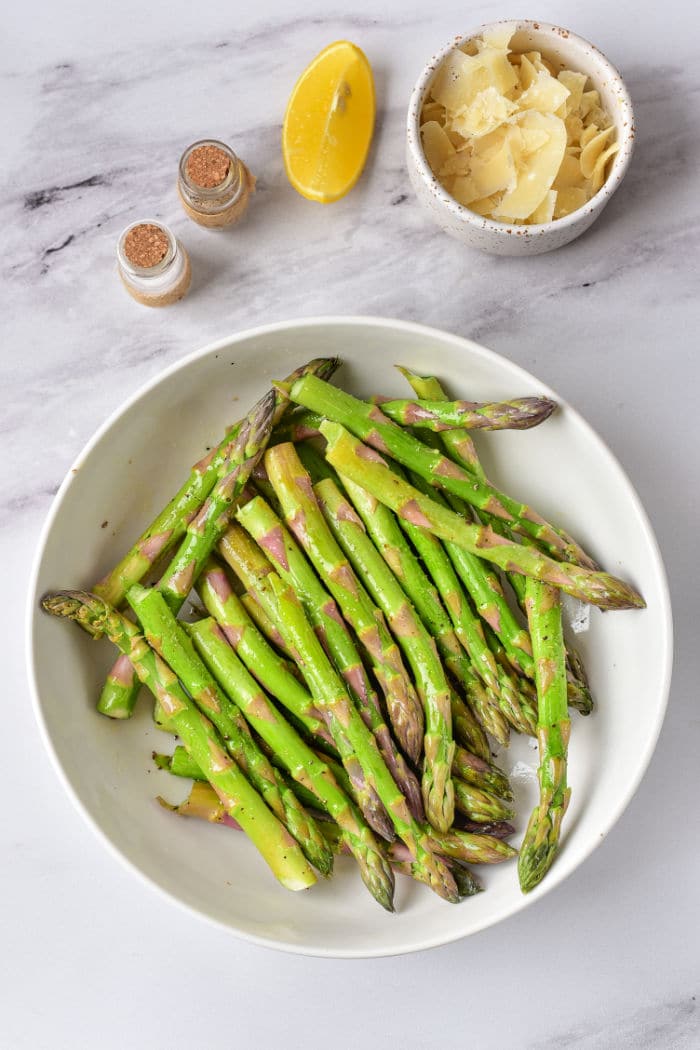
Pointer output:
208, 166
214, 185
146, 245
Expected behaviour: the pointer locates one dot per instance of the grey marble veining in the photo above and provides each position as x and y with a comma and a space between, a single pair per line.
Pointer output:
97, 105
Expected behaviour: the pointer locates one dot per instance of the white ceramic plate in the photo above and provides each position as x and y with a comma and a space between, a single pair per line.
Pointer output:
126, 474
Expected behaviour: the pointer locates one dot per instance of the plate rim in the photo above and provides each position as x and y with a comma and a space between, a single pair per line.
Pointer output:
558, 874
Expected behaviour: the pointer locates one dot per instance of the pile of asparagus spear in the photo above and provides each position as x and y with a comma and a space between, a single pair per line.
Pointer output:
378, 615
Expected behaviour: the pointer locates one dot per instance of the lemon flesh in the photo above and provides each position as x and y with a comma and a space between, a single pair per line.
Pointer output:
329, 122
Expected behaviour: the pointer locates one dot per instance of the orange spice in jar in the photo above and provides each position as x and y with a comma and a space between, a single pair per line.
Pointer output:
214, 184
153, 265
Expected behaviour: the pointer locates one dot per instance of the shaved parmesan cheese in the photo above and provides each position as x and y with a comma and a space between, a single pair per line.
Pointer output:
593, 149
543, 164
570, 199
574, 83
511, 137
436, 145
498, 36
545, 95
458, 81
487, 111
544, 212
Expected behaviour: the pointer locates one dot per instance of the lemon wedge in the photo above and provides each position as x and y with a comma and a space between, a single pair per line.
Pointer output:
329, 122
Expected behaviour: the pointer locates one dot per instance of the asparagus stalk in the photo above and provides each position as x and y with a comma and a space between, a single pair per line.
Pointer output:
291, 564
254, 570
475, 771
202, 803
168, 637
272, 671
469, 630
465, 727
120, 690
266, 627
384, 529
541, 841
180, 764
208, 525
458, 443
416, 643
305, 767
240, 799
169, 526
361, 464
460, 447
518, 414
330, 694
479, 805
369, 423
293, 487
119, 694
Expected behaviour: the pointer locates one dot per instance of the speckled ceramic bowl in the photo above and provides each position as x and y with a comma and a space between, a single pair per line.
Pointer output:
563, 49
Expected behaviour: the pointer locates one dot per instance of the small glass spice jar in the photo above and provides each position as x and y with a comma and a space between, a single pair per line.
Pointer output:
153, 265
214, 184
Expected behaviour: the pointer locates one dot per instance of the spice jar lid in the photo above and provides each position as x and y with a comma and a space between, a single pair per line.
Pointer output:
210, 174
146, 248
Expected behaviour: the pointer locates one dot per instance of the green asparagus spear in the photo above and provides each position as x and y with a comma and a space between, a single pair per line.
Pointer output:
167, 636
206, 528
369, 423
518, 414
293, 487
330, 694
169, 526
460, 447
479, 805
291, 564
273, 672
416, 643
198, 735
266, 627
541, 842
458, 444
305, 767
253, 569
474, 770
362, 464
465, 727
384, 530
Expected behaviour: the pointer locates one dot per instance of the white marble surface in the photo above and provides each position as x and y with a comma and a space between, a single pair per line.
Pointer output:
97, 102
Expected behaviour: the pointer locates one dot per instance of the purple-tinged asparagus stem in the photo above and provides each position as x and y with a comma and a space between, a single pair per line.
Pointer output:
209, 524
203, 803
460, 447
293, 486
253, 570
301, 763
518, 414
474, 770
458, 443
362, 464
383, 527
272, 671
284, 554
169, 526
416, 644
240, 799
169, 638
371, 425
330, 694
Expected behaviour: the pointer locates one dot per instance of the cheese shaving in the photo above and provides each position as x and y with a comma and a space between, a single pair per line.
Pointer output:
510, 137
